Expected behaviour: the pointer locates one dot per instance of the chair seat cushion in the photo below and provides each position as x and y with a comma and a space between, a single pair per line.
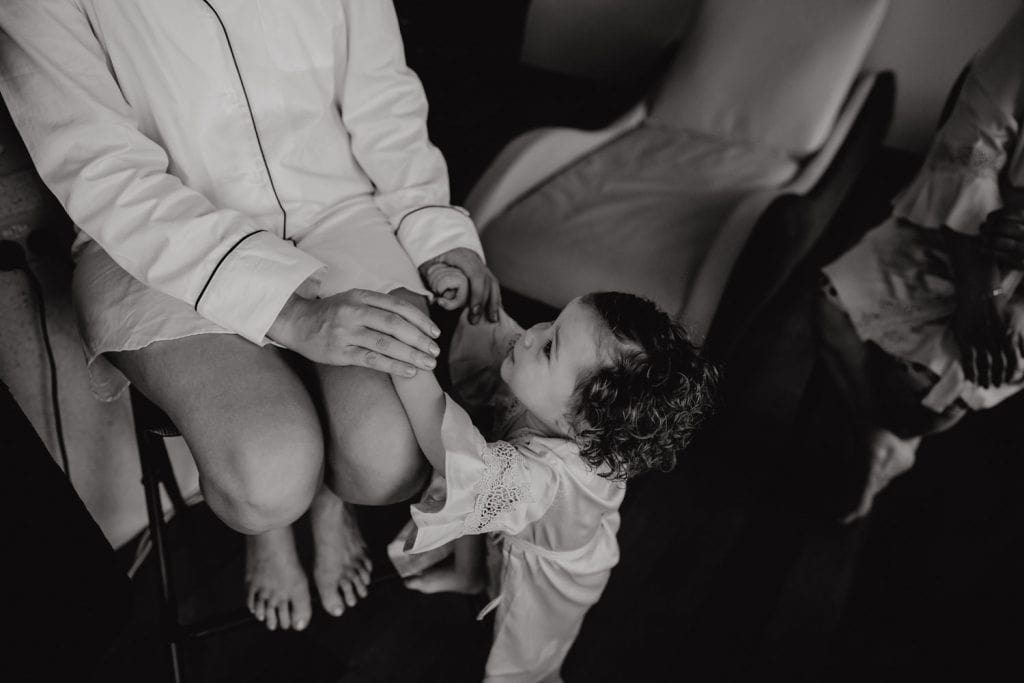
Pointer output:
639, 215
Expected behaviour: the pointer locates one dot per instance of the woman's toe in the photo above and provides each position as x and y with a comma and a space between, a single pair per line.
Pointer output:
284, 616
330, 598
261, 608
350, 594
360, 585
271, 613
301, 610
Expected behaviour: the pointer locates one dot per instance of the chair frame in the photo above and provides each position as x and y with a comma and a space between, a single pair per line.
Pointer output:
152, 426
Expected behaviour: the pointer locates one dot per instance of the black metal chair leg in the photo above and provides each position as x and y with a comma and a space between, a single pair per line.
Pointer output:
151, 444
152, 426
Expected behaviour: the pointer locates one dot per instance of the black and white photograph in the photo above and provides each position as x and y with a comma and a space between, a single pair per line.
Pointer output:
511, 341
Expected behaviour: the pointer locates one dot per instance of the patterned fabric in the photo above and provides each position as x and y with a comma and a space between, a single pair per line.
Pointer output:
502, 486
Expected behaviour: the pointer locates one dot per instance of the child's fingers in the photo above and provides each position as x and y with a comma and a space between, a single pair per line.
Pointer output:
451, 300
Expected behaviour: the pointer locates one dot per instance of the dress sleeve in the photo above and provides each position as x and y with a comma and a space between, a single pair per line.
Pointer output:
959, 184
113, 182
385, 111
488, 487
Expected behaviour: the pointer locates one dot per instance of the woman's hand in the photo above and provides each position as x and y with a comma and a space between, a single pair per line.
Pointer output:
359, 327
1002, 237
478, 285
990, 339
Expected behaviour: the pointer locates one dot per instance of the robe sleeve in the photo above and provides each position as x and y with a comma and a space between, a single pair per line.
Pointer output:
114, 182
973, 152
385, 111
489, 487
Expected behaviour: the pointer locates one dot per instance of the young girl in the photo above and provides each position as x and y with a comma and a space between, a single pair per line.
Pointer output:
610, 389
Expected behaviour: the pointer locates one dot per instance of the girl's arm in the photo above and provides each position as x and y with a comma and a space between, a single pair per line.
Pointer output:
424, 403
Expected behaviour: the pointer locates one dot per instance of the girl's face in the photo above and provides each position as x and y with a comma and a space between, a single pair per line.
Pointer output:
544, 364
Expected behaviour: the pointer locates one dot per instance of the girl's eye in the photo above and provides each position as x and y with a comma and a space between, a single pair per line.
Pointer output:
547, 348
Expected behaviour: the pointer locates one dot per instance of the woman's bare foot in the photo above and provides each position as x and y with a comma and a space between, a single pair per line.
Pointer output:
341, 569
446, 579
278, 593
891, 456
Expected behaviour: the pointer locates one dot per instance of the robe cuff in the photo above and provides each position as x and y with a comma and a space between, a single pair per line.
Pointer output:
958, 199
430, 231
252, 282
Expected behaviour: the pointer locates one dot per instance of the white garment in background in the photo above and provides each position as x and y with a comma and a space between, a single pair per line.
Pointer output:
897, 284
155, 122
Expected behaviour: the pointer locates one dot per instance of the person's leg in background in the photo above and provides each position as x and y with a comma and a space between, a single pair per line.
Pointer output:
68, 597
884, 397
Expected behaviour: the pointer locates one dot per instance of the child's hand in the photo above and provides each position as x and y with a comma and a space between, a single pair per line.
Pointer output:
477, 287
449, 284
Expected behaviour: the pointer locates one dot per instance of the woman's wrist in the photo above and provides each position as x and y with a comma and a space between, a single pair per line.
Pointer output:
282, 330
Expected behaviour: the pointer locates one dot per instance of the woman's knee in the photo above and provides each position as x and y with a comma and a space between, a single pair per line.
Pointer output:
377, 466
269, 479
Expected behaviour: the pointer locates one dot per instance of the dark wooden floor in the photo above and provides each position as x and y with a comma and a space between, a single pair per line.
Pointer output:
733, 566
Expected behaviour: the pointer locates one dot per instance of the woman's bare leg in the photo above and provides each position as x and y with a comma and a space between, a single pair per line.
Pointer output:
372, 459
257, 441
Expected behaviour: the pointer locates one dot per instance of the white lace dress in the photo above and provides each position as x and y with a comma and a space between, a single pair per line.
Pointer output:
551, 521
897, 284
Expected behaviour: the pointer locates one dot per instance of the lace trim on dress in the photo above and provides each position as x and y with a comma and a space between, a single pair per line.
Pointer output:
966, 158
502, 487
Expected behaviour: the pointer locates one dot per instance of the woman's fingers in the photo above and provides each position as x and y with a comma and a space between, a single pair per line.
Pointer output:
982, 364
997, 365
1010, 362
390, 327
383, 352
405, 311
478, 291
366, 358
494, 301
970, 366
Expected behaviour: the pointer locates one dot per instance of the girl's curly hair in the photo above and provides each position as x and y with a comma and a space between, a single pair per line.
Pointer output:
640, 412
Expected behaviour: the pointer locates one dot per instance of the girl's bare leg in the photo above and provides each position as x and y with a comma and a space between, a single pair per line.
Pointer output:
465, 575
254, 433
